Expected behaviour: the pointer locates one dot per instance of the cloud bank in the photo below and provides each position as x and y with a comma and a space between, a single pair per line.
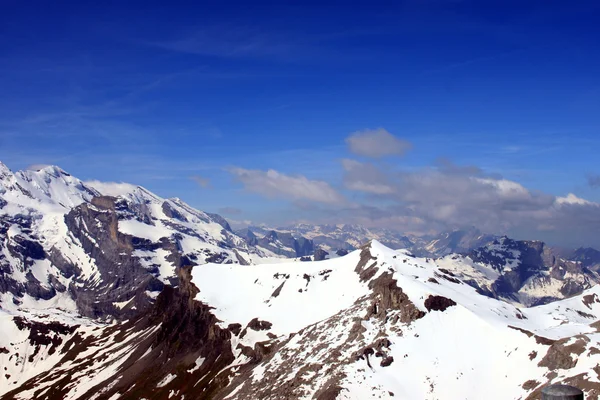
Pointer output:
429, 199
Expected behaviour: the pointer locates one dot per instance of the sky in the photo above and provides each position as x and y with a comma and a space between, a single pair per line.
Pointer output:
418, 115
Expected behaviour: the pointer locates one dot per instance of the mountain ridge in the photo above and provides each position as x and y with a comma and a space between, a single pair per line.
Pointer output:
383, 339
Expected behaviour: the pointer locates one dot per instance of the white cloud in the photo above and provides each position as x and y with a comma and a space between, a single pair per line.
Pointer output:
274, 184
572, 199
112, 188
377, 143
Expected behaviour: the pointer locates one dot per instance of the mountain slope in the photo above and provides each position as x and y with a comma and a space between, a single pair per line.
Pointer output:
523, 272
396, 324
375, 322
282, 243
64, 241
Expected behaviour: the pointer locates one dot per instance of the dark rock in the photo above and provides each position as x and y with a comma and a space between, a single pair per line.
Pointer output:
530, 384
387, 361
320, 255
331, 393
391, 297
590, 299
560, 356
257, 325
25, 249
438, 303
235, 328
278, 290
171, 212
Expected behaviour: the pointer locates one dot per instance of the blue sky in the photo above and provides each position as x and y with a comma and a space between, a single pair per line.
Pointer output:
158, 93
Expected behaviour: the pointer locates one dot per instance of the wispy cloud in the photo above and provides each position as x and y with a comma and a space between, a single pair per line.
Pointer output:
231, 42
36, 167
475, 60
201, 181
274, 184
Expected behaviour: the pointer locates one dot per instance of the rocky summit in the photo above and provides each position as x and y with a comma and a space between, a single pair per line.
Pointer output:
108, 291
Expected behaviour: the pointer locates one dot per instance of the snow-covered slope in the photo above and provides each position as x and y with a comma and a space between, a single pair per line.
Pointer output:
375, 323
336, 325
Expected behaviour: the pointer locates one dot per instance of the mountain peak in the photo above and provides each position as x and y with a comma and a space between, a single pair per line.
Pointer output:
5, 172
3, 167
54, 170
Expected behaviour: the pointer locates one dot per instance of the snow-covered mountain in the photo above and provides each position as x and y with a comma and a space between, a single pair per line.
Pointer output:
523, 272
458, 241
375, 323
278, 242
350, 237
332, 238
103, 250
108, 291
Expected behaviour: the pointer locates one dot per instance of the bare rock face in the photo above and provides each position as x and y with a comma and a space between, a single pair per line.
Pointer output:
171, 212
367, 266
388, 296
44, 334
320, 255
560, 356
95, 226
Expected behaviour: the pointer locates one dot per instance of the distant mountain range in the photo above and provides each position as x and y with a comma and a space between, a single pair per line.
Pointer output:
108, 291
330, 238
524, 272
